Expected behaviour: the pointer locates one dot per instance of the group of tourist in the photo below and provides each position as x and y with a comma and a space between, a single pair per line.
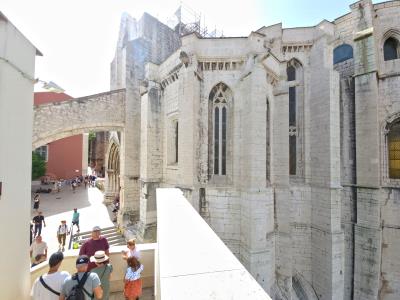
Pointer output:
38, 222
93, 272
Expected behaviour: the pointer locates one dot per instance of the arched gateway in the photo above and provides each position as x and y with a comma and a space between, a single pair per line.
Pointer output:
100, 112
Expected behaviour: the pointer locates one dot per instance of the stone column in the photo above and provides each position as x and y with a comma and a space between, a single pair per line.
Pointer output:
85, 153
280, 182
324, 144
257, 209
368, 233
108, 193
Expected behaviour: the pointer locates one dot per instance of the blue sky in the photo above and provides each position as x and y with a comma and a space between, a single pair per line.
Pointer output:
78, 37
295, 13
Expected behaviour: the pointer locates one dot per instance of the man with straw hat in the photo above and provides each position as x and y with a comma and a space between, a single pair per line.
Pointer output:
103, 270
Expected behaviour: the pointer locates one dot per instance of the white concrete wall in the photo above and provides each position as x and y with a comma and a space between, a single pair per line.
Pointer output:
16, 103
193, 262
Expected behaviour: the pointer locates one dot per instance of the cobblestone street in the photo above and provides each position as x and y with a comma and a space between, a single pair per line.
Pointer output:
59, 206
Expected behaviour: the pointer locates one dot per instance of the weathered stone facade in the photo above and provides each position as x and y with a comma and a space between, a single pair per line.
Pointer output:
100, 112
304, 201
279, 139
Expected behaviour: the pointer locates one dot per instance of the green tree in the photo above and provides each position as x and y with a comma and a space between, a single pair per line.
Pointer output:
38, 166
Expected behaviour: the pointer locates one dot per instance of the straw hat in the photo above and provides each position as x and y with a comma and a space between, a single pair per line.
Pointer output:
99, 257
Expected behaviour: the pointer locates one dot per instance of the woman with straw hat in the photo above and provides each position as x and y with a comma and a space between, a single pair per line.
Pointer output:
104, 270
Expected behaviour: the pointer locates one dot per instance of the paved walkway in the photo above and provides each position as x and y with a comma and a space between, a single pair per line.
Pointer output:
59, 206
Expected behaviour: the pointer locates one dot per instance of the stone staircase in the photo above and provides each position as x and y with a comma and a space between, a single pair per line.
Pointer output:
114, 237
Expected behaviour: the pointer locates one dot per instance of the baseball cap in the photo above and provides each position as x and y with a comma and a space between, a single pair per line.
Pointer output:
56, 258
82, 260
96, 228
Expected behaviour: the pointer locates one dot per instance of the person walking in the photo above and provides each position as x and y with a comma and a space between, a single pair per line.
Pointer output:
38, 247
48, 286
38, 221
132, 281
95, 243
30, 232
73, 185
90, 282
75, 219
104, 270
62, 232
36, 202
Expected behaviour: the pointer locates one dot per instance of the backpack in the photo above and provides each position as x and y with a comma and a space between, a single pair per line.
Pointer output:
78, 291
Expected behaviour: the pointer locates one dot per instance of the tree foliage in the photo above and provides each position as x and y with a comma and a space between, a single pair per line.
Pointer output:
92, 136
38, 166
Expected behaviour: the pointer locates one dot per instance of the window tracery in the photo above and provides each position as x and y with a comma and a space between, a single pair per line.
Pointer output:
220, 98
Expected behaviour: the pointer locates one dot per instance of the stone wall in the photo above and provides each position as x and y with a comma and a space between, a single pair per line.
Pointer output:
330, 232
100, 112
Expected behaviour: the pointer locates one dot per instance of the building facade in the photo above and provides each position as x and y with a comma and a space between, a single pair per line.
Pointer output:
17, 68
286, 141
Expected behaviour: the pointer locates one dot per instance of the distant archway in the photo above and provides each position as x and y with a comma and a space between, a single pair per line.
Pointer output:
113, 169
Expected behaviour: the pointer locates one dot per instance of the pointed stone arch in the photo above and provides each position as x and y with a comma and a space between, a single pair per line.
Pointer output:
390, 44
295, 76
220, 112
113, 168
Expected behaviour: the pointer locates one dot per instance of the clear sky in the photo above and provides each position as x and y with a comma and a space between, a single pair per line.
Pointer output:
78, 37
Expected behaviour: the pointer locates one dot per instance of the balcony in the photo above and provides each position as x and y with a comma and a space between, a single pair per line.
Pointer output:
189, 261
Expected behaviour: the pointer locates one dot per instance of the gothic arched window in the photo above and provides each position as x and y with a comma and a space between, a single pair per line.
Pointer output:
291, 73
219, 98
342, 53
394, 150
294, 72
391, 49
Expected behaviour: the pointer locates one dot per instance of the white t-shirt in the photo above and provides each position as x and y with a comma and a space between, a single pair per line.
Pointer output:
38, 248
135, 252
55, 281
62, 229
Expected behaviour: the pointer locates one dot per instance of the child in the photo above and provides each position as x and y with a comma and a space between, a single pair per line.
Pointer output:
131, 251
133, 283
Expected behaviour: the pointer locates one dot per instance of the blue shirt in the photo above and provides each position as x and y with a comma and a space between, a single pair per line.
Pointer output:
132, 274
75, 217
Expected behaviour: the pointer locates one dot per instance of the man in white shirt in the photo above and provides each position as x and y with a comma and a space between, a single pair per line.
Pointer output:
48, 286
62, 232
38, 247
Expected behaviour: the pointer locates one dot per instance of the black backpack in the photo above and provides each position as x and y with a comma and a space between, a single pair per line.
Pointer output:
78, 291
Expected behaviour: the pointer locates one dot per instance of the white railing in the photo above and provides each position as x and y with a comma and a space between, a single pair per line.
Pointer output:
191, 260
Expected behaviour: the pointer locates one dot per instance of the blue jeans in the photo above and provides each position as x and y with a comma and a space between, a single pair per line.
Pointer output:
38, 228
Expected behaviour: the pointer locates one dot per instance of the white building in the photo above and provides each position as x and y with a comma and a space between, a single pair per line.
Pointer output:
17, 66
286, 141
